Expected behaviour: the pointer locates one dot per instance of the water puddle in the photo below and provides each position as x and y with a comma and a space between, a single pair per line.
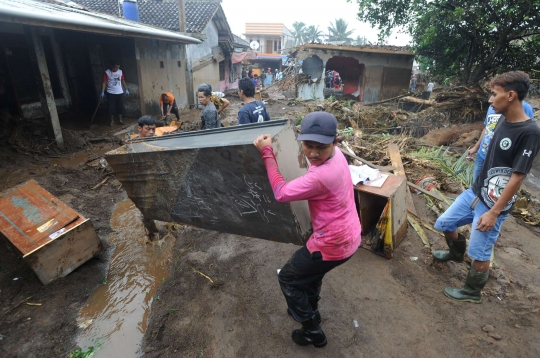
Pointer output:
116, 314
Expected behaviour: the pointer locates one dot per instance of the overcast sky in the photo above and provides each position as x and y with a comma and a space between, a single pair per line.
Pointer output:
239, 12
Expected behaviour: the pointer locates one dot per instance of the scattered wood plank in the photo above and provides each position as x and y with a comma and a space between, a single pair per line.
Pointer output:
395, 158
386, 100
418, 230
100, 184
424, 191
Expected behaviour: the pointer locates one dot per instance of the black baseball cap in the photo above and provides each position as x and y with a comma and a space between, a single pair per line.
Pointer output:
319, 127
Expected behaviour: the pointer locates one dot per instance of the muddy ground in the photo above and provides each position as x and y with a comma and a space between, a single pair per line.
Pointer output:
398, 304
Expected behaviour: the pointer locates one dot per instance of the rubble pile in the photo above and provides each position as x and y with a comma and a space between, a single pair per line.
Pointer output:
410, 115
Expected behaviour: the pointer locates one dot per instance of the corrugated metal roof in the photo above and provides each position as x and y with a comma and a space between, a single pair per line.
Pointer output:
58, 14
163, 14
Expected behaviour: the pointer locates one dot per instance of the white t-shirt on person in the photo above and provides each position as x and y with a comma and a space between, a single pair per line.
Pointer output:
114, 81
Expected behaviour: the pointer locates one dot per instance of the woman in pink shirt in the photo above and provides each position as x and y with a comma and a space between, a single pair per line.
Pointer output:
328, 188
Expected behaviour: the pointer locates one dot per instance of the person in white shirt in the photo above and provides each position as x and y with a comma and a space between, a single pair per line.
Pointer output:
114, 82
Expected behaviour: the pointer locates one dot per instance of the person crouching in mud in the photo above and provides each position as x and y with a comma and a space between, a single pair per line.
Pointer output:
328, 188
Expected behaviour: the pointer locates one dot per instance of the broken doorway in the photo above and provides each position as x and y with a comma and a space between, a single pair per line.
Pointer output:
351, 72
80, 79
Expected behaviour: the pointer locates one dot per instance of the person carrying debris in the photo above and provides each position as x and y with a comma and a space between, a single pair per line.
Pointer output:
209, 114
146, 127
252, 111
167, 104
482, 145
114, 82
328, 188
218, 100
513, 147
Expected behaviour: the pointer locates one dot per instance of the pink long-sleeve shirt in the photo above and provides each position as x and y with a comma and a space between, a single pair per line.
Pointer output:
328, 188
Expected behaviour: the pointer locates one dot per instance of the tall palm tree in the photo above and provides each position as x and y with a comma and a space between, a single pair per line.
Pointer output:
312, 34
299, 29
359, 41
339, 32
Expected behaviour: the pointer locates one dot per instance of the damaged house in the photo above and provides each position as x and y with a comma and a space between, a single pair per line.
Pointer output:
208, 62
369, 73
53, 55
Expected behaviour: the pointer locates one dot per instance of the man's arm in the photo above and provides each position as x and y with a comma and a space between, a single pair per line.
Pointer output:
487, 221
225, 105
475, 148
124, 85
161, 106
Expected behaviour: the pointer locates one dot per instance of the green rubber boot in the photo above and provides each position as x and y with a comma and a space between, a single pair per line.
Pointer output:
456, 252
472, 290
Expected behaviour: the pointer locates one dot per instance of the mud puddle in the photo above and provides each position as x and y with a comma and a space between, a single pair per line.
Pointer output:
79, 157
116, 315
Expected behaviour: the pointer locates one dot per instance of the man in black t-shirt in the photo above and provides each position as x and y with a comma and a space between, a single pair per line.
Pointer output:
252, 111
515, 143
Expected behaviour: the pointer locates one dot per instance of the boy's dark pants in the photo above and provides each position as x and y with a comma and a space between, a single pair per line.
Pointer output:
174, 109
301, 280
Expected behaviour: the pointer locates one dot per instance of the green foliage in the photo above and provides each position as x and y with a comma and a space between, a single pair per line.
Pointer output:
313, 34
299, 29
339, 32
359, 41
456, 168
467, 39
79, 353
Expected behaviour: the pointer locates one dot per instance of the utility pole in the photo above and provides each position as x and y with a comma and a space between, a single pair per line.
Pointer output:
189, 72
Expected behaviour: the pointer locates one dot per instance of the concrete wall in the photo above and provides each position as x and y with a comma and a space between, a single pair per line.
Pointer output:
154, 79
226, 84
201, 55
385, 74
197, 52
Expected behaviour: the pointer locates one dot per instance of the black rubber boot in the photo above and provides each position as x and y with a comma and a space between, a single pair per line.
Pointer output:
316, 312
310, 333
472, 290
456, 252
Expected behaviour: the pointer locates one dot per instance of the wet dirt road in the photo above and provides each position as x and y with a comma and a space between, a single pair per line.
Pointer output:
116, 315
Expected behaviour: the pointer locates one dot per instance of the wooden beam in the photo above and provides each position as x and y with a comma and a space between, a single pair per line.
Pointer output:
395, 158
182, 15
43, 82
202, 64
424, 191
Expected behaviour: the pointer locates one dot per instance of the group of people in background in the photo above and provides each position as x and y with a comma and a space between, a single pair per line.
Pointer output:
253, 111
259, 80
414, 81
333, 80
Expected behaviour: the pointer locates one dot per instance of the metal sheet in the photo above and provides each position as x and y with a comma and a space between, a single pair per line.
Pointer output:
216, 179
30, 215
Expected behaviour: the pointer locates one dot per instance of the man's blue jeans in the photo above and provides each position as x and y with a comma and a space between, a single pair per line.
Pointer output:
477, 167
460, 213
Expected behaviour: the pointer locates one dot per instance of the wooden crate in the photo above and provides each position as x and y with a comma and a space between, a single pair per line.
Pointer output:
383, 214
51, 237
